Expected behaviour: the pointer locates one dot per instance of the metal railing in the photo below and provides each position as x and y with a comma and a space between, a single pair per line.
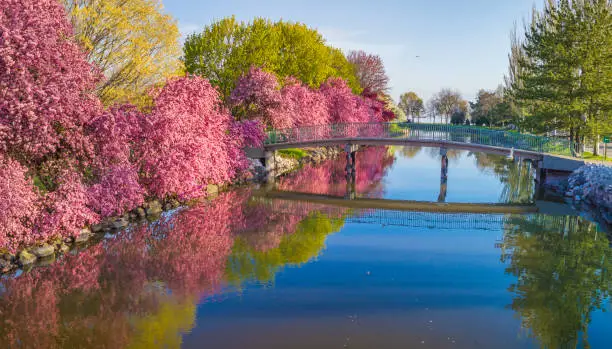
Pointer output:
425, 132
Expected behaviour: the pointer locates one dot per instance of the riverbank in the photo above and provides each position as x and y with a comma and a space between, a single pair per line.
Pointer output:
589, 189
42, 254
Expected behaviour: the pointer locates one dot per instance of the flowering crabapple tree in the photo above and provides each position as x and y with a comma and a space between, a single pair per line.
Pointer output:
257, 96
65, 209
114, 134
19, 204
190, 140
342, 104
303, 105
46, 84
117, 191
370, 71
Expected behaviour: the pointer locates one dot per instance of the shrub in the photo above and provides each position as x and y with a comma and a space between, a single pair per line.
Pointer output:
46, 84
190, 140
19, 205
118, 191
65, 210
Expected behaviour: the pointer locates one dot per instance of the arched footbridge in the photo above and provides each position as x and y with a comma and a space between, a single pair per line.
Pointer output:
548, 153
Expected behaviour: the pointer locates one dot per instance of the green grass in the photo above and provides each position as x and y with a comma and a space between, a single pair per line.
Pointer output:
396, 128
294, 153
590, 156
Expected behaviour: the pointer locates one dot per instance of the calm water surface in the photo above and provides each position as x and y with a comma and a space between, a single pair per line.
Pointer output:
248, 271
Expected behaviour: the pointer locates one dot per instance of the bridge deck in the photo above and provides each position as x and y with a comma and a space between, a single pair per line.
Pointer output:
525, 154
555, 154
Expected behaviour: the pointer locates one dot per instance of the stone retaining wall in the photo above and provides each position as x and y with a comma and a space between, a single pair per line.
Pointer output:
591, 185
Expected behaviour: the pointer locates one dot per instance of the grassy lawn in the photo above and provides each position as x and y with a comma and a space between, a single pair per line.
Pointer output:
294, 153
590, 156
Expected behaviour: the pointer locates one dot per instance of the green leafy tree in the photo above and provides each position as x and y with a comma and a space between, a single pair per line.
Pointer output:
458, 117
391, 106
565, 68
133, 42
412, 105
447, 101
562, 267
513, 79
597, 68
484, 106
227, 49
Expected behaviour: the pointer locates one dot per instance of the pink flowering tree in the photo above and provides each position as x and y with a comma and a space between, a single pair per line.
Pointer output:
303, 105
19, 205
377, 105
46, 84
342, 104
66, 211
344, 107
257, 96
117, 191
190, 141
116, 134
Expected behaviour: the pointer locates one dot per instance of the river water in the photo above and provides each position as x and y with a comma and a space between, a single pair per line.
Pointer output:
286, 268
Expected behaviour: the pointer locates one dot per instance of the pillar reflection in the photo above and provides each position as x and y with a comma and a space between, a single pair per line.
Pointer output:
443, 175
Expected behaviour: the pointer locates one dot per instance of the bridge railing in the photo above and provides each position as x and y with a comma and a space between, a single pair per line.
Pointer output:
431, 132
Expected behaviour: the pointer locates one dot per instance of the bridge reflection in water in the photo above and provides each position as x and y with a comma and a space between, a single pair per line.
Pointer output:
412, 213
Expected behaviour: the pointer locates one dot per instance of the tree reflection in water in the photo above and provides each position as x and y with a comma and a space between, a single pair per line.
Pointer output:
516, 177
329, 178
562, 267
139, 289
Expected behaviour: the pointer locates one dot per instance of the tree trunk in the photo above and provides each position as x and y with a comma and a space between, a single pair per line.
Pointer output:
596, 145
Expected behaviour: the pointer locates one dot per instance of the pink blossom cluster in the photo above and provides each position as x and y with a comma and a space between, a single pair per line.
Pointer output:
46, 84
190, 140
259, 96
66, 163
19, 204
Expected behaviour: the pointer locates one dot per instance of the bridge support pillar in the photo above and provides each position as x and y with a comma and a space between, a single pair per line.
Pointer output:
540, 175
351, 159
350, 188
270, 165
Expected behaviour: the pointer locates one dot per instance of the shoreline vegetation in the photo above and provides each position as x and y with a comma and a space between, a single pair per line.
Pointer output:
70, 159
86, 137
42, 254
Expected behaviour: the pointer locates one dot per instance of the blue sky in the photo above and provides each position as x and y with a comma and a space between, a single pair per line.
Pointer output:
461, 44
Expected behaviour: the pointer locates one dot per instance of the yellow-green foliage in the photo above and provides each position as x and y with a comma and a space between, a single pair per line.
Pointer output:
133, 42
296, 248
166, 327
226, 49
294, 153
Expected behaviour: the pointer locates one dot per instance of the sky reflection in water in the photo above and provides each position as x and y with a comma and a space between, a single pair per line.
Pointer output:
248, 273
